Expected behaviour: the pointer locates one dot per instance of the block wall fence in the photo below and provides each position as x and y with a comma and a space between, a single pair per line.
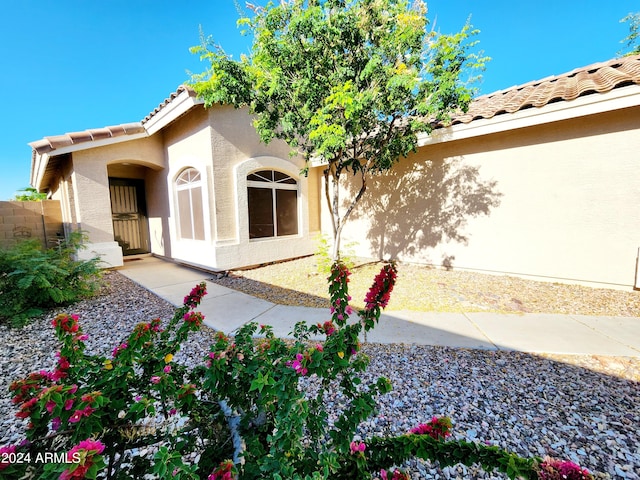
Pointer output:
31, 220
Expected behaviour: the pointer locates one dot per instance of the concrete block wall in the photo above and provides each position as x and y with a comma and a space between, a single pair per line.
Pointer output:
28, 220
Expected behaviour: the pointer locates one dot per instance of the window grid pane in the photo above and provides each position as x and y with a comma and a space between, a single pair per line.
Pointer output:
272, 204
190, 205
184, 214
260, 202
197, 213
287, 212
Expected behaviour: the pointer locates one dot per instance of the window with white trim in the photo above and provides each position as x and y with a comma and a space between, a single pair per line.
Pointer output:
273, 204
189, 205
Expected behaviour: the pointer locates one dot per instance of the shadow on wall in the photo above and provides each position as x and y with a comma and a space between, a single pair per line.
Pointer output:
418, 204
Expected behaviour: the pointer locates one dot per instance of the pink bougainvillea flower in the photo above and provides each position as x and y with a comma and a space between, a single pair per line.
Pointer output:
437, 428
83, 457
167, 369
79, 414
224, 471
26, 408
194, 318
66, 323
298, 364
155, 379
553, 469
55, 423
380, 292
3, 455
76, 417
327, 327
195, 296
117, 350
396, 475
357, 447
50, 405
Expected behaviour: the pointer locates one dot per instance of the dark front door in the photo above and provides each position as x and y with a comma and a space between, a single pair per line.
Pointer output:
128, 210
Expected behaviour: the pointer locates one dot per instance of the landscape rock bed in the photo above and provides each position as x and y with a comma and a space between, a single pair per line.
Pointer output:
581, 408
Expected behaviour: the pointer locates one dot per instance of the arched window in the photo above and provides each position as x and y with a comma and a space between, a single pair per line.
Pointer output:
190, 211
273, 204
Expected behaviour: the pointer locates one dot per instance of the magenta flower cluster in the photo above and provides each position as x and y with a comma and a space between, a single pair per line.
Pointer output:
224, 471
380, 292
357, 448
195, 296
552, 469
396, 475
82, 456
437, 428
298, 364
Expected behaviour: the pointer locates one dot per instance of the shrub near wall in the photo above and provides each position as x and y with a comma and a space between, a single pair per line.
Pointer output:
33, 279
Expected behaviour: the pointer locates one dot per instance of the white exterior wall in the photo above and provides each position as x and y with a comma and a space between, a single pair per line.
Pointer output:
569, 195
222, 144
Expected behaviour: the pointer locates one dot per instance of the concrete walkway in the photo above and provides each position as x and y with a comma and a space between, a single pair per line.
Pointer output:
226, 310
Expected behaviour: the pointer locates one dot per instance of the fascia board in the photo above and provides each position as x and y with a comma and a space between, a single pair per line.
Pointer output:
588, 105
38, 167
171, 111
97, 143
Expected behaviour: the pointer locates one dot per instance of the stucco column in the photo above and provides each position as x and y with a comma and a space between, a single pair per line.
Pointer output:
93, 210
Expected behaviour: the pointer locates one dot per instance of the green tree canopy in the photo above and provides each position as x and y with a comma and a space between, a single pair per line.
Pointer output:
350, 83
631, 41
29, 194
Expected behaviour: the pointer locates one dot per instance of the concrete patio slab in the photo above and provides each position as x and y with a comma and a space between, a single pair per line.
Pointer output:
229, 312
624, 330
152, 273
175, 293
445, 329
546, 333
283, 318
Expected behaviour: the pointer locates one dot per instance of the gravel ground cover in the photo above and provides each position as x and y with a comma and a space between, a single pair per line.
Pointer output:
423, 288
530, 404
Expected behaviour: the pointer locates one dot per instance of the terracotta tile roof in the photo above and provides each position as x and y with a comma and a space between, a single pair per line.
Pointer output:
597, 78
167, 101
48, 144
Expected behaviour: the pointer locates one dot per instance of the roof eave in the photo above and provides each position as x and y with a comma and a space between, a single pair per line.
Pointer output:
618, 98
171, 110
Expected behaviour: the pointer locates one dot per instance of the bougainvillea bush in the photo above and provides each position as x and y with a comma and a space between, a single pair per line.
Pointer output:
242, 413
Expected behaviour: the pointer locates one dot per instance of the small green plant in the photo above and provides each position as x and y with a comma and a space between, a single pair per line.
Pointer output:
33, 279
323, 254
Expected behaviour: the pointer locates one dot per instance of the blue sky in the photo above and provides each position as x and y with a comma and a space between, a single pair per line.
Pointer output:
69, 65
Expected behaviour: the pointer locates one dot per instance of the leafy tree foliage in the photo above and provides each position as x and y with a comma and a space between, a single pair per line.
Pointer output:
632, 41
30, 194
348, 83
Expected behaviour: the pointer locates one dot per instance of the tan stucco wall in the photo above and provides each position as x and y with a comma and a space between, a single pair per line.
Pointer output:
568, 202
90, 184
221, 142
30, 221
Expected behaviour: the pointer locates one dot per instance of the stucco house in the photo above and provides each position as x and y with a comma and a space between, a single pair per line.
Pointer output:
539, 180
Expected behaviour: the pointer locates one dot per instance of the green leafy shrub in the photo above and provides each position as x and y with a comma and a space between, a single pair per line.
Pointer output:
244, 413
33, 279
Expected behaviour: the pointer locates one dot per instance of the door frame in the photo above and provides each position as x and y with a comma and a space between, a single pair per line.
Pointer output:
136, 235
